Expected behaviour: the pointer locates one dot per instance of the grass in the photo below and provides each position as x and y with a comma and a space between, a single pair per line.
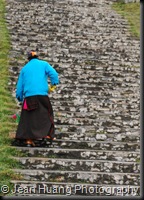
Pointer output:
131, 12
7, 105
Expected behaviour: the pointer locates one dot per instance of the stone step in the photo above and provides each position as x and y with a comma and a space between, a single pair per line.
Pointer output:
81, 96
100, 84
68, 189
78, 165
98, 138
97, 145
95, 87
80, 176
97, 91
93, 81
107, 83
123, 156
102, 112
91, 67
91, 95
85, 119
114, 106
98, 118
127, 139
91, 70
108, 111
74, 57
92, 106
96, 133
66, 115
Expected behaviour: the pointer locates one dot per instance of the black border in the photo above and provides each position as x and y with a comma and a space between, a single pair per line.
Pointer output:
141, 89
141, 127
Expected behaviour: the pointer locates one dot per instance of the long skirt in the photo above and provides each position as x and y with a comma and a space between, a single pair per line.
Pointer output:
36, 119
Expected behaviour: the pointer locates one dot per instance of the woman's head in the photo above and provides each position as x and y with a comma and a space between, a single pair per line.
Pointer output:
32, 54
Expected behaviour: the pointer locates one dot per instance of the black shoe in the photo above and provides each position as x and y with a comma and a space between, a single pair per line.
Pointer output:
18, 142
15, 142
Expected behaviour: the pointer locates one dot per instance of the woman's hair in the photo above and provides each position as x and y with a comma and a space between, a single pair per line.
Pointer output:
32, 54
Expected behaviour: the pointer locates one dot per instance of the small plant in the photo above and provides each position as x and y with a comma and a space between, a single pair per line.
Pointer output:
138, 160
16, 117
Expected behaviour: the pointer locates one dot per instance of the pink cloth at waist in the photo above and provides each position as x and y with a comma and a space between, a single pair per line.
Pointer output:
25, 105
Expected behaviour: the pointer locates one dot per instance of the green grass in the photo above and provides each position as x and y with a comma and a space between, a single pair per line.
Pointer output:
131, 12
7, 105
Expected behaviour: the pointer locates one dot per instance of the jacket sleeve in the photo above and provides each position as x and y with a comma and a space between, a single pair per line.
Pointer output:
19, 87
52, 74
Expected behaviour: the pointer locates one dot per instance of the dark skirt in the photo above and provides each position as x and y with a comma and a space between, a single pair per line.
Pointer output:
37, 121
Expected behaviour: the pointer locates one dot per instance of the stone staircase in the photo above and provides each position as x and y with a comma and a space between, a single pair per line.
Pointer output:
96, 105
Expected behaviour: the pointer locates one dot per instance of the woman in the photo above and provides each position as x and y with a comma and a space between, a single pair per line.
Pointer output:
36, 120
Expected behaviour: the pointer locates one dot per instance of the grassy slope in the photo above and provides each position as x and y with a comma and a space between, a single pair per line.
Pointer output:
131, 12
6, 105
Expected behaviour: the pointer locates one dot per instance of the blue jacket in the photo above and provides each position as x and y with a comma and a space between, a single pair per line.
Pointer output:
33, 79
